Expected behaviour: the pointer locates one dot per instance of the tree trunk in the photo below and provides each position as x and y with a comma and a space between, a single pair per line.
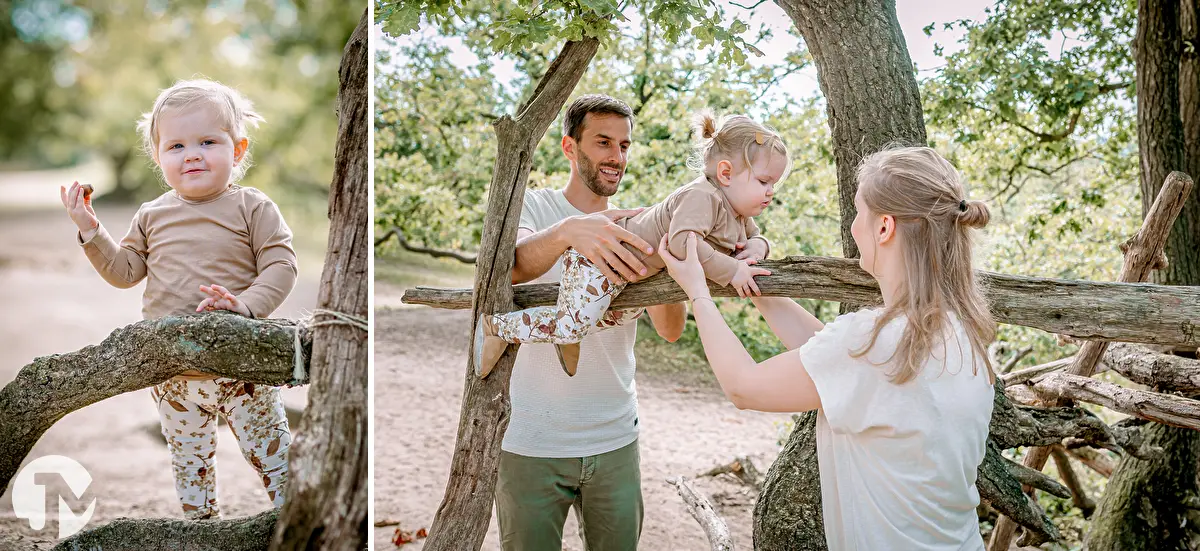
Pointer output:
866, 76
1143, 506
787, 516
326, 506
462, 518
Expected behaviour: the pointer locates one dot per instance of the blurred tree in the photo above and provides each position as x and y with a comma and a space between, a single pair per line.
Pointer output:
111, 58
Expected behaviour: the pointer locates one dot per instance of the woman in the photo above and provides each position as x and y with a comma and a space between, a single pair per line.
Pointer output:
903, 392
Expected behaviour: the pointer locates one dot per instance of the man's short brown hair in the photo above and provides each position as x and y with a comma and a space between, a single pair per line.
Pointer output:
592, 103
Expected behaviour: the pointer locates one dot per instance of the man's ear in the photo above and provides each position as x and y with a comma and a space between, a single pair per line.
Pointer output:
239, 150
568, 147
724, 172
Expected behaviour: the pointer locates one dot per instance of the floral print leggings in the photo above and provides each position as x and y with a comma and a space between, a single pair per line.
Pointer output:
188, 412
583, 298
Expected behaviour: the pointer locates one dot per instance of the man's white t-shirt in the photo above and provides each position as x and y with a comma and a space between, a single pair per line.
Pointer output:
554, 415
898, 463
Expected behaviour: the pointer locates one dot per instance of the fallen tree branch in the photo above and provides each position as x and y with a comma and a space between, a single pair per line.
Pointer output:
1015, 359
1128, 312
702, 510
1015, 426
160, 534
742, 468
465, 258
1023, 375
1168, 409
1161, 371
138, 356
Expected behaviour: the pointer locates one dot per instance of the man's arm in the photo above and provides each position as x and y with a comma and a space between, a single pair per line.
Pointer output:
669, 320
595, 236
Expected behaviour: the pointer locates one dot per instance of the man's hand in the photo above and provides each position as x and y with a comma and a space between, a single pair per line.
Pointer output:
599, 239
219, 298
78, 201
752, 249
743, 280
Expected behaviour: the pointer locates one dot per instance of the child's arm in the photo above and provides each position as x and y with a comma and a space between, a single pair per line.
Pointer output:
696, 213
271, 240
122, 266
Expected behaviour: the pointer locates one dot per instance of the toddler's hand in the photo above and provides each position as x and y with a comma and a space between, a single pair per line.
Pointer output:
78, 201
219, 298
753, 249
743, 280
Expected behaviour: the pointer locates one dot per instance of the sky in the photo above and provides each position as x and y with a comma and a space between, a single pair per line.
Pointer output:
914, 15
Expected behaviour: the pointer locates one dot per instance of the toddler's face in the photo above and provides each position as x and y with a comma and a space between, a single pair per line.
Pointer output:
195, 154
751, 190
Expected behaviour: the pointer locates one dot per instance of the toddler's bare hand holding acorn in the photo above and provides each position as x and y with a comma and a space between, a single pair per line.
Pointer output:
78, 201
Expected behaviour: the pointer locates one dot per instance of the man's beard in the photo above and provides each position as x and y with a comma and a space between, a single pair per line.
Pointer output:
591, 176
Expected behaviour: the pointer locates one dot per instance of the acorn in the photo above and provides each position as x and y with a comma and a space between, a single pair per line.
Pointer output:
87, 191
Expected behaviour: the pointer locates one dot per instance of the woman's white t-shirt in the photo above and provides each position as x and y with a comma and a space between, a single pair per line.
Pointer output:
898, 463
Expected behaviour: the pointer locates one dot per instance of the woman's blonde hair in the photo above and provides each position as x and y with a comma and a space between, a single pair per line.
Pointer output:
924, 193
734, 137
233, 109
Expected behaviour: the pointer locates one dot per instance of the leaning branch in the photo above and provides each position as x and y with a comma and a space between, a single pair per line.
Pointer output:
465, 258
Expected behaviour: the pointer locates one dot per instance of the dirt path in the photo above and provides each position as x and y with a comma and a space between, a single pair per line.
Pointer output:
420, 358
55, 303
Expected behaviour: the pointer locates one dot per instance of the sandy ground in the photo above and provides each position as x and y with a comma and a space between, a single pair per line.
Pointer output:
55, 303
687, 428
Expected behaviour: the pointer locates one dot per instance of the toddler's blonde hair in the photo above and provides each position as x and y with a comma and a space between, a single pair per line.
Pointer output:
736, 138
233, 109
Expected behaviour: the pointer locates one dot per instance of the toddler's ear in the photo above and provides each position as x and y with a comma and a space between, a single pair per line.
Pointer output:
724, 172
239, 150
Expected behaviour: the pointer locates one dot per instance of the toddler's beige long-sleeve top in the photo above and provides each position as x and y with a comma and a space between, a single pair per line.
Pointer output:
237, 239
699, 206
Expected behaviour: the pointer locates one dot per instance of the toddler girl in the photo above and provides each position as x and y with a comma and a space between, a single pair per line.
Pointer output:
208, 244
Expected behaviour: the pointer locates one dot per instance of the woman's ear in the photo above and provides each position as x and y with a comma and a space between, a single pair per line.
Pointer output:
239, 150
724, 172
887, 229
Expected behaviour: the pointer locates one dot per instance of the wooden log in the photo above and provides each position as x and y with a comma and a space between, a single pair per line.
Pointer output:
1023, 375
1142, 253
1037, 479
1148, 367
1078, 495
1128, 312
998, 487
462, 518
1167, 409
715, 528
138, 356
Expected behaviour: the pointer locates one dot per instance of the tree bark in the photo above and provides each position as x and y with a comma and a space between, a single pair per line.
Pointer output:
1147, 367
326, 506
463, 516
138, 356
787, 516
1143, 313
868, 81
1143, 506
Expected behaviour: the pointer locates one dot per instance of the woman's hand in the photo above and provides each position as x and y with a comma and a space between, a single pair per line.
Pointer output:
219, 298
686, 271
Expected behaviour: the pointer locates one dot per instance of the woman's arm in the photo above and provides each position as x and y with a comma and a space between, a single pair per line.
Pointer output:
788, 320
778, 384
